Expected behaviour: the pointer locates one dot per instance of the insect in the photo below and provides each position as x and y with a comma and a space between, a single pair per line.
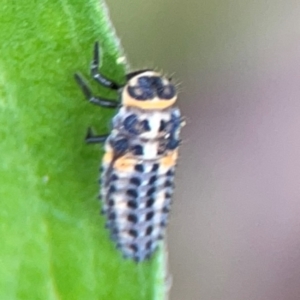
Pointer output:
141, 151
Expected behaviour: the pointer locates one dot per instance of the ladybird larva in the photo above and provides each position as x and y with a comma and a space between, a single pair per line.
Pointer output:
137, 177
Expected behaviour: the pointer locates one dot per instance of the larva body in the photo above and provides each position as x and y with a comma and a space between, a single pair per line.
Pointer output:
138, 166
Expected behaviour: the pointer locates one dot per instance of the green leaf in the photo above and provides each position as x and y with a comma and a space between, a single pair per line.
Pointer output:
53, 241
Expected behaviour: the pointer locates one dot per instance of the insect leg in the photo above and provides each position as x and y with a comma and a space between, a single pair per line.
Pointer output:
90, 138
89, 95
95, 72
134, 73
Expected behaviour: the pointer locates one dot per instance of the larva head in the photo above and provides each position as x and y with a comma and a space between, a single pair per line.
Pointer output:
148, 90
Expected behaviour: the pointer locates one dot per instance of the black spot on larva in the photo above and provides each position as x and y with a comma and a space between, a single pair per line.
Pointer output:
162, 147
114, 231
120, 145
166, 209
132, 193
112, 216
168, 183
163, 91
137, 150
167, 92
149, 215
114, 177
172, 143
111, 202
139, 168
168, 195
155, 167
163, 125
137, 258
135, 180
145, 125
143, 90
152, 179
175, 123
148, 245
133, 232
134, 247
170, 173
151, 191
132, 204
149, 230
150, 202
112, 189
135, 73
132, 218
130, 123
163, 223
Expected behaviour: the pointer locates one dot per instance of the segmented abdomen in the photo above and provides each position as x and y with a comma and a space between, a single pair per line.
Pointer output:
136, 201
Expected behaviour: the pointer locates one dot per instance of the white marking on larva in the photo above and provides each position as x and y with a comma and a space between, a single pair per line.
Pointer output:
165, 81
122, 225
150, 151
144, 183
126, 237
122, 182
161, 180
143, 190
154, 124
154, 121
159, 200
133, 81
157, 218
155, 232
120, 204
147, 167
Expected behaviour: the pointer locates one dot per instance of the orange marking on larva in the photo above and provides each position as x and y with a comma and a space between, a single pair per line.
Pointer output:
125, 164
108, 157
169, 160
156, 103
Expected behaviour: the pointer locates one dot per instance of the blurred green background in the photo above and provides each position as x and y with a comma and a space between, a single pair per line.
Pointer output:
235, 226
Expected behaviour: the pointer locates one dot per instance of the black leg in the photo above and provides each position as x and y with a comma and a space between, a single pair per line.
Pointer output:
95, 72
94, 139
135, 73
95, 100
